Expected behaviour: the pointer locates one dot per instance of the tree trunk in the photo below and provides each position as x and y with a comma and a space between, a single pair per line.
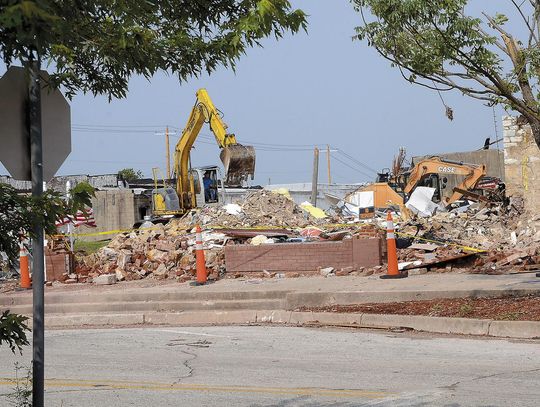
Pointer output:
535, 126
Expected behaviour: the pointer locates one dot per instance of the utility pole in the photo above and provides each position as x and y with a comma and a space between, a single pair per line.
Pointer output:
315, 178
38, 264
70, 224
168, 153
328, 162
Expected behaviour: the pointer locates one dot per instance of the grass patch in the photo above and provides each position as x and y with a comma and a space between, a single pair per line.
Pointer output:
90, 247
436, 308
465, 310
510, 316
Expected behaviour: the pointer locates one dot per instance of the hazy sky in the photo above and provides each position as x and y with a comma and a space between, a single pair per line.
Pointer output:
309, 89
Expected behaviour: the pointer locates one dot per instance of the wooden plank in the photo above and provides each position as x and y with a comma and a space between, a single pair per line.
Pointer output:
472, 195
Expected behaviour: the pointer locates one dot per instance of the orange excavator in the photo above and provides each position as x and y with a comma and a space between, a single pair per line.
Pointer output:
428, 172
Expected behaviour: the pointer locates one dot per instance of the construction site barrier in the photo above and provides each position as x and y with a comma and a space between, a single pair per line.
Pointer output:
201, 275
391, 250
26, 283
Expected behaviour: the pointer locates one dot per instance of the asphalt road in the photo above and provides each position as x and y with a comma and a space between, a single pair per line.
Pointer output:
280, 366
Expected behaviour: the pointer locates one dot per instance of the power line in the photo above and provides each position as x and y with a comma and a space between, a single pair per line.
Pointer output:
360, 163
108, 126
112, 162
263, 147
256, 143
352, 168
210, 140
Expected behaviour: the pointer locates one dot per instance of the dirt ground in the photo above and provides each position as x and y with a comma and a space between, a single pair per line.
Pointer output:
505, 309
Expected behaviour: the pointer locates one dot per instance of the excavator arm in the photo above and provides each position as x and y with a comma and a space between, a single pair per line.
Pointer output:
238, 160
435, 165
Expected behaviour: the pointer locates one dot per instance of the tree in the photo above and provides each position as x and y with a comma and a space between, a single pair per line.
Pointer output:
97, 45
440, 45
13, 330
20, 212
129, 174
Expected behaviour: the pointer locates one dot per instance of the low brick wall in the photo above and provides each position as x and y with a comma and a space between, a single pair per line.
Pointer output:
59, 265
284, 257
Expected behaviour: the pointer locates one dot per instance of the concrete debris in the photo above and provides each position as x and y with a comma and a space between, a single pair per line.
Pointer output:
261, 208
168, 251
327, 272
476, 237
233, 209
105, 279
479, 237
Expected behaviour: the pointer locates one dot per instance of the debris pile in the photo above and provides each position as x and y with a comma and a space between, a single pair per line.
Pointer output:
264, 208
477, 238
161, 251
168, 251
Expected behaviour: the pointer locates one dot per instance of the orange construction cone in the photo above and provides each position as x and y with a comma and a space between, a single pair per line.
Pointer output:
202, 275
24, 269
391, 248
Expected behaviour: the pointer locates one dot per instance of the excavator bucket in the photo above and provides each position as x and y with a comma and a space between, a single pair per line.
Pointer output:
239, 163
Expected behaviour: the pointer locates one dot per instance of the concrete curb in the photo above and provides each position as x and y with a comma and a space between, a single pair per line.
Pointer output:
318, 299
461, 326
288, 299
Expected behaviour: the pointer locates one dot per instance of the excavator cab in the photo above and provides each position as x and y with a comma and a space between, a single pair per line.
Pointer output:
239, 163
207, 185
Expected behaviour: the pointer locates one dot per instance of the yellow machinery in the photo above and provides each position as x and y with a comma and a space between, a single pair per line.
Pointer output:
238, 161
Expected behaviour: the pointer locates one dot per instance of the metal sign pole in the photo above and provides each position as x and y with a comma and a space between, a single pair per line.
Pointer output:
38, 266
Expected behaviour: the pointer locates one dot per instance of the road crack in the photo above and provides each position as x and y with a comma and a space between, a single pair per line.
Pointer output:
187, 363
453, 386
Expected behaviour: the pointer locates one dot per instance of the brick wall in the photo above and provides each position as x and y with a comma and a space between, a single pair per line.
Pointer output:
283, 257
58, 265
521, 162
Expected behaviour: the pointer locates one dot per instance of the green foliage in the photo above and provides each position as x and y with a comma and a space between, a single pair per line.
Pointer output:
500, 19
129, 174
428, 38
22, 392
97, 45
21, 212
13, 330
440, 45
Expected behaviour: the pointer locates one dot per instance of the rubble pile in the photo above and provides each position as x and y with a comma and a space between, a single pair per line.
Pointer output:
161, 252
476, 237
262, 207
506, 239
168, 251
485, 228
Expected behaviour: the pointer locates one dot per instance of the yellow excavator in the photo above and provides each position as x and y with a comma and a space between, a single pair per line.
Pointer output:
197, 186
